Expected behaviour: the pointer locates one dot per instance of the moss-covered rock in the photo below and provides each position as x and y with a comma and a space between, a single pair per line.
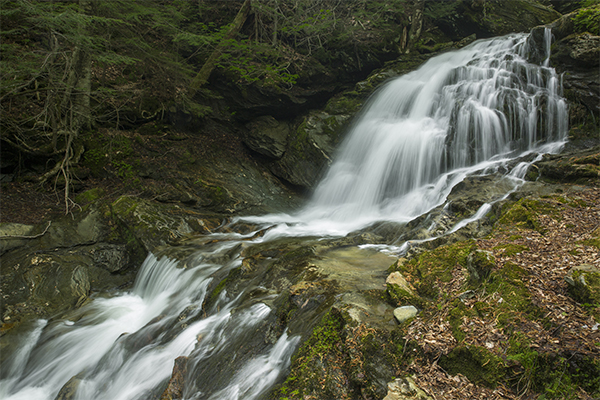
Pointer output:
584, 283
342, 360
436, 266
582, 167
478, 364
524, 214
480, 264
514, 299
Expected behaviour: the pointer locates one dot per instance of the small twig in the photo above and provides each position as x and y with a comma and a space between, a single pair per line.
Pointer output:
27, 237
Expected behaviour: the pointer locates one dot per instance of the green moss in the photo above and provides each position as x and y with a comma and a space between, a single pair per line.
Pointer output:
523, 214
214, 294
586, 287
588, 20
90, 196
511, 249
397, 296
552, 375
591, 242
344, 104
458, 311
514, 298
108, 151
121, 232
216, 194
309, 368
431, 266
481, 366
480, 264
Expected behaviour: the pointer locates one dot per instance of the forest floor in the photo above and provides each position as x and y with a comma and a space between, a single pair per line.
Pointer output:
567, 236
27, 202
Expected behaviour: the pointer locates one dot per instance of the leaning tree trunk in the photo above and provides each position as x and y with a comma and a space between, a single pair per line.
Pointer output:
202, 76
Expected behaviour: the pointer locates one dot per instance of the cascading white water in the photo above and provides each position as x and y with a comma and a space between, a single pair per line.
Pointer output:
457, 113
462, 113
122, 347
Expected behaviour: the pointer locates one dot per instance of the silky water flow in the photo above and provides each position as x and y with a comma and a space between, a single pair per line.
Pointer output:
474, 111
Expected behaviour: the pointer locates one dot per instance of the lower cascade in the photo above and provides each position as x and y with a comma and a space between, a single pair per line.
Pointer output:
480, 110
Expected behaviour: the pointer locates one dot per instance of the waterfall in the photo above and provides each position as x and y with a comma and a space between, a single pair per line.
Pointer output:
423, 132
465, 112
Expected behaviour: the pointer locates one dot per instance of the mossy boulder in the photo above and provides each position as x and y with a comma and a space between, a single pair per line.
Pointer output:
584, 283
431, 269
524, 214
150, 225
480, 264
481, 366
342, 360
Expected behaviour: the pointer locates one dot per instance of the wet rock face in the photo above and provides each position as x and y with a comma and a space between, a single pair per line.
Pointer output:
52, 268
581, 167
174, 390
267, 136
310, 149
575, 54
69, 390
581, 50
46, 282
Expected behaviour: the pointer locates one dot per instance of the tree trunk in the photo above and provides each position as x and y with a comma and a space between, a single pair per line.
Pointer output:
202, 76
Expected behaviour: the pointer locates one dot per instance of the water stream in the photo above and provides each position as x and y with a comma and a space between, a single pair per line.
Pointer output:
468, 112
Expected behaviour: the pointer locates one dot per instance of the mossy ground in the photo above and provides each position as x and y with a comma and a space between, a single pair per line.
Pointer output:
518, 331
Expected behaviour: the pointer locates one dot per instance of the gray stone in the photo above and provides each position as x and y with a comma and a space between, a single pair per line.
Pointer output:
396, 278
69, 389
405, 389
310, 149
113, 258
405, 312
